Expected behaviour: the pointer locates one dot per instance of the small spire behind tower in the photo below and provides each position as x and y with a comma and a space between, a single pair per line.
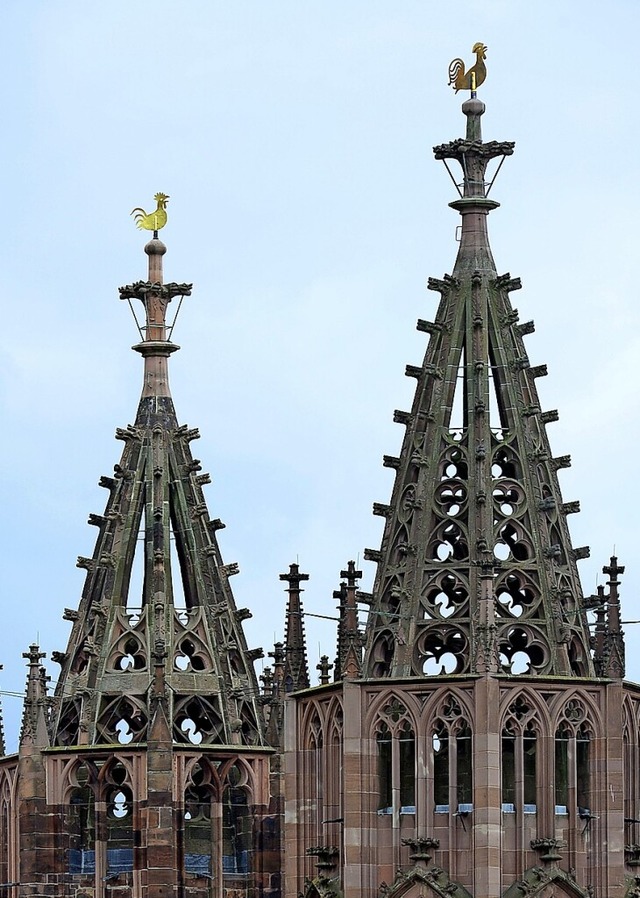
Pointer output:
34, 717
274, 689
349, 657
296, 669
614, 656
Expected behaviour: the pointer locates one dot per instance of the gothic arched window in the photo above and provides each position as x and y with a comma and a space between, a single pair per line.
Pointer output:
573, 762
335, 773
81, 820
452, 760
4, 839
396, 761
237, 824
118, 797
6, 830
199, 837
631, 774
519, 758
313, 774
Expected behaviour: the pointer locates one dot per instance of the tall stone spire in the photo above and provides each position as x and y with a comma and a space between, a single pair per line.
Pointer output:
157, 605
296, 668
476, 571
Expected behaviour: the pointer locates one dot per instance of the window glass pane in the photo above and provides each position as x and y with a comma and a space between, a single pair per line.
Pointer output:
529, 763
197, 825
119, 831
407, 769
81, 825
236, 831
508, 770
384, 770
562, 769
582, 772
441, 768
464, 767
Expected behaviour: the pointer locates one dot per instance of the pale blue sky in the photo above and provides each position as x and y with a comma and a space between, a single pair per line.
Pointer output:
294, 139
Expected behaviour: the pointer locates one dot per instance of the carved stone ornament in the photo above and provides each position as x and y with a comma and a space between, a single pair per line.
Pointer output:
327, 856
435, 878
536, 881
548, 849
140, 289
420, 848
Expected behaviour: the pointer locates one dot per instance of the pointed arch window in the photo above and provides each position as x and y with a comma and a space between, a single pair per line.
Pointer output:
396, 761
464, 769
81, 821
314, 769
385, 769
631, 771
519, 765
583, 771
440, 748
562, 739
452, 760
237, 824
218, 821
4, 839
335, 778
199, 836
573, 794
118, 796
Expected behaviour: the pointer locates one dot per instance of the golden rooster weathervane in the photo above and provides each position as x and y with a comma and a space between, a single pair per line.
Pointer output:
471, 80
152, 221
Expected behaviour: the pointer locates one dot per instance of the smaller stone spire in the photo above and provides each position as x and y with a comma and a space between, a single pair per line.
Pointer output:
34, 716
274, 689
349, 657
137, 668
613, 655
296, 669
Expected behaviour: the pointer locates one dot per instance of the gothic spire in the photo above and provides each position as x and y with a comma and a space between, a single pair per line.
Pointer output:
157, 605
612, 660
35, 710
296, 669
348, 664
476, 571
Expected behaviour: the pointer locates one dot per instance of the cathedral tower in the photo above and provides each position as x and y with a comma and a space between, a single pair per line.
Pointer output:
147, 772
481, 746
476, 740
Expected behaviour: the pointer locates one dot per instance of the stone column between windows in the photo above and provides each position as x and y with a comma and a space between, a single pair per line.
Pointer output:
293, 833
487, 838
359, 847
607, 785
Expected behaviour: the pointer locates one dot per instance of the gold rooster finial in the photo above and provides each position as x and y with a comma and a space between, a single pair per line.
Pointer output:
152, 221
471, 80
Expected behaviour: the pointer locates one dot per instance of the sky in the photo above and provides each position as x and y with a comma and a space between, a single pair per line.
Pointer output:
295, 138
